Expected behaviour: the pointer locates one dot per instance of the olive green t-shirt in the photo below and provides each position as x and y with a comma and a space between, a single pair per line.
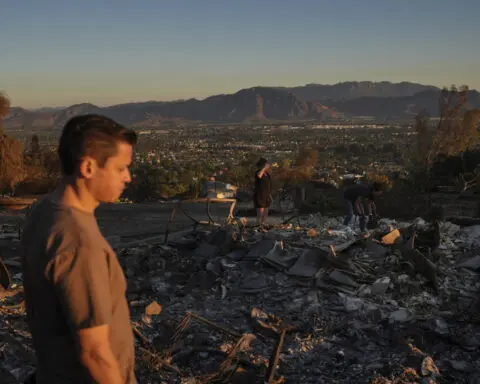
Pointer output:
72, 280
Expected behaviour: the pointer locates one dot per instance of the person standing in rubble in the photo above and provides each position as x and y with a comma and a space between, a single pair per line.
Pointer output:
262, 196
75, 288
355, 196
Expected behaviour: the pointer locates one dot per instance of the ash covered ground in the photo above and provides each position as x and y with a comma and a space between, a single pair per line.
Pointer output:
212, 304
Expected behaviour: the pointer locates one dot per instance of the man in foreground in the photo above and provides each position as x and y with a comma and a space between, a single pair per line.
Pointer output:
74, 285
355, 196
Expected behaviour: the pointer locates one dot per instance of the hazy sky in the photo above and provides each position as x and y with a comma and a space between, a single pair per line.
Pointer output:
61, 52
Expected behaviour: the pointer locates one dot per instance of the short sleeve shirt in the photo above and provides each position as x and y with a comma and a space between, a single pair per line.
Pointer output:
72, 280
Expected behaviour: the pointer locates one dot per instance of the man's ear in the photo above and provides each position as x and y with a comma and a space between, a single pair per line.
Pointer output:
88, 166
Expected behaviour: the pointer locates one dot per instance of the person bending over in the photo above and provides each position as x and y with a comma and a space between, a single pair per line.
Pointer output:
355, 196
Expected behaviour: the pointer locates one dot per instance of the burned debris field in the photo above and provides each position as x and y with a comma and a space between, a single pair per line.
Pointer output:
221, 304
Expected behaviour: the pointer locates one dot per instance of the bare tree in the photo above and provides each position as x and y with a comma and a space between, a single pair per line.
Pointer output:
4, 107
11, 154
455, 132
11, 163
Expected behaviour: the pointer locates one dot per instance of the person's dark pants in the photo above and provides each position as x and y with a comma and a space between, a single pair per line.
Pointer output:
349, 217
351, 211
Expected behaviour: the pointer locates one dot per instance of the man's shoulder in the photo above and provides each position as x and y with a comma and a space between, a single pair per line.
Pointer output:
59, 226
47, 214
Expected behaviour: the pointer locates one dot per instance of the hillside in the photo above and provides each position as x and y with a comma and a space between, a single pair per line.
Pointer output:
396, 107
19, 118
382, 100
356, 89
254, 103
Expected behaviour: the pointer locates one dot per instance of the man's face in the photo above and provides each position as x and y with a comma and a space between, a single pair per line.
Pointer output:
107, 183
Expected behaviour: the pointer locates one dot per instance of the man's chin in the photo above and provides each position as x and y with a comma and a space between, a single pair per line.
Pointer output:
109, 201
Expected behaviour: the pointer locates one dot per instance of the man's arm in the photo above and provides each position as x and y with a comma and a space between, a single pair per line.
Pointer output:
262, 172
97, 356
81, 280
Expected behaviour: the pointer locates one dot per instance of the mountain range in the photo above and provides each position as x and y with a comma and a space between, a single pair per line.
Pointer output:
379, 100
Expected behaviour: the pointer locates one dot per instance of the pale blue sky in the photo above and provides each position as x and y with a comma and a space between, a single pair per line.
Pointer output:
61, 52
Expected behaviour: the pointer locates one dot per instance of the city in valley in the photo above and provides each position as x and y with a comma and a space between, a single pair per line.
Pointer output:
217, 298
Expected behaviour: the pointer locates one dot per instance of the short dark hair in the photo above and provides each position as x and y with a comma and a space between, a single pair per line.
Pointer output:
377, 187
91, 135
262, 162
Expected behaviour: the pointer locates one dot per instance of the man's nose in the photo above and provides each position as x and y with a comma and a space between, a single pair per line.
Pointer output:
128, 176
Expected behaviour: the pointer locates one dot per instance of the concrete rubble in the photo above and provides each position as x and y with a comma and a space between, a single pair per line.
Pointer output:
330, 306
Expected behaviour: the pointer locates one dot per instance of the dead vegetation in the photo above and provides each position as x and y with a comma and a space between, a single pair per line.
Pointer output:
382, 179
455, 132
24, 171
11, 155
291, 173
233, 305
4, 106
